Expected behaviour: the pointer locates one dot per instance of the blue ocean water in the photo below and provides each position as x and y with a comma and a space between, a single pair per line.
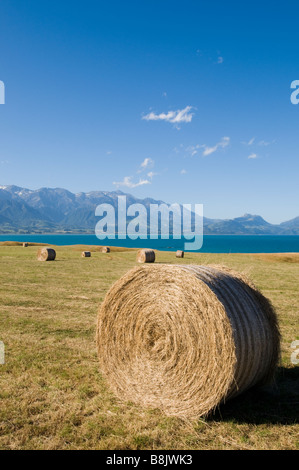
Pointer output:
211, 243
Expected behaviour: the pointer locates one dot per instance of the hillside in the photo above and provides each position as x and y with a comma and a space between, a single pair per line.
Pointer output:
48, 210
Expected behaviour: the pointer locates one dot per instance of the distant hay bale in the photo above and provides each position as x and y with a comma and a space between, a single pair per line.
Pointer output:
105, 249
86, 254
146, 256
185, 339
25, 245
46, 254
180, 254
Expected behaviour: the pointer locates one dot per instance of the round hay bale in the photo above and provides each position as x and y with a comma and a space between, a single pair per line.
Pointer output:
25, 245
180, 254
185, 339
46, 254
146, 256
86, 254
105, 249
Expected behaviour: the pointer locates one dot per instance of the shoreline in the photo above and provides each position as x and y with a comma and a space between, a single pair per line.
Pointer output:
97, 248
209, 244
82, 234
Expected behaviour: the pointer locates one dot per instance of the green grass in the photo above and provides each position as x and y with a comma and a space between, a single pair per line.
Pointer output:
52, 395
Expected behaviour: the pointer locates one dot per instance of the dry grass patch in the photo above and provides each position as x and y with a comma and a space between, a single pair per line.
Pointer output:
278, 257
52, 395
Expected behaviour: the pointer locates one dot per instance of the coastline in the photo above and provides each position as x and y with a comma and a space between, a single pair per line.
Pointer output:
266, 256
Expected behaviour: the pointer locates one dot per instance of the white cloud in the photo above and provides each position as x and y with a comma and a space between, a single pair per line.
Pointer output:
252, 156
220, 60
183, 171
251, 141
193, 149
264, 143
222, 144
174, 117
127, 182
151, 174
147, 163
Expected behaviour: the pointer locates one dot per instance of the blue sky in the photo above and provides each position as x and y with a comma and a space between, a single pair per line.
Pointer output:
182, 101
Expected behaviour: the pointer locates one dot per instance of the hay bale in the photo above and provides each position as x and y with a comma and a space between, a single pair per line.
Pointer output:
146, 256
46, 254
86, 254
180, 254
25, 245
185, 339
105, 249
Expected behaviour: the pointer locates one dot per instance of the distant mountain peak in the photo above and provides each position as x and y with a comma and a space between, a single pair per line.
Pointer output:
59, 210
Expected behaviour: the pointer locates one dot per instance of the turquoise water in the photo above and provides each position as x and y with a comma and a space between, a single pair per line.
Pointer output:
211, 243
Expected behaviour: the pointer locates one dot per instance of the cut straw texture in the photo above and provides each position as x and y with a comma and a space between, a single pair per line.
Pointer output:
46, 254
146, 256
185, 339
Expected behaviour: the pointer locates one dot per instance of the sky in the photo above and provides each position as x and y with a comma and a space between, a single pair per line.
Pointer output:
183, 101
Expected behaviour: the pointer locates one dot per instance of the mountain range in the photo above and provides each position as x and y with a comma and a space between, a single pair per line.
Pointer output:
48, 210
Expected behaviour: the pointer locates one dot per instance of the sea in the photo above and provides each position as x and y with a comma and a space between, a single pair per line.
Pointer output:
211, 243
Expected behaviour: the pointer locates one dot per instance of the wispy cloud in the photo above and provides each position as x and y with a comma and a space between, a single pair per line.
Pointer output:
128, 183
250, 142
193, 149
252, 156
183, 172
151, 174
220, 60
147, 163
261, 143
179, 148
174, 117
225, 141
264, 143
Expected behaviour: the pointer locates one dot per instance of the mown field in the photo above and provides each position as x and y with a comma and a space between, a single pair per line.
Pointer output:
52, 395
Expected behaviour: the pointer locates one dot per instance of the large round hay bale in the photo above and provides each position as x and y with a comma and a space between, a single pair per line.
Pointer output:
146, 256
46, 254
105, 249
180, 254
86, 254
25, 245
185, 339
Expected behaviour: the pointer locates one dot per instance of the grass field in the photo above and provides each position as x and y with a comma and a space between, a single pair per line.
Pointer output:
52, 395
